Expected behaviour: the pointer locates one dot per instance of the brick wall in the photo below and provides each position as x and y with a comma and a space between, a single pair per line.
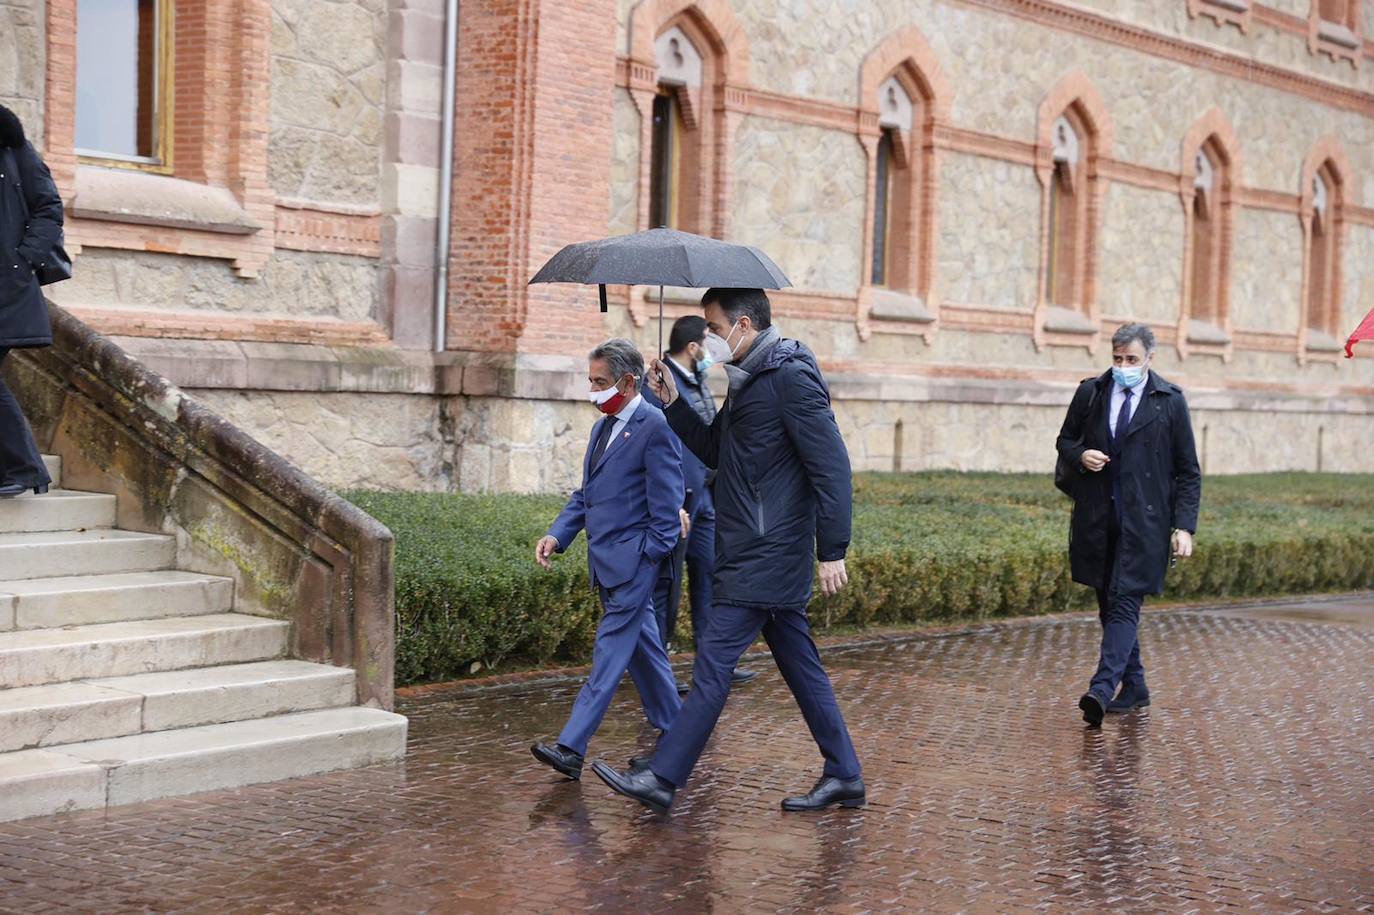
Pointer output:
533, 132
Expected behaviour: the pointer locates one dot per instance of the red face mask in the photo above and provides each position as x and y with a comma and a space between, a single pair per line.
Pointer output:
608, 401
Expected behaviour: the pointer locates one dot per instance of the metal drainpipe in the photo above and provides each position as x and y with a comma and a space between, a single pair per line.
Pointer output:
441, 251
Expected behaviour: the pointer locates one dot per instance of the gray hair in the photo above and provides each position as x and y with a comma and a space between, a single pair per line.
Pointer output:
1127, 334
622, 357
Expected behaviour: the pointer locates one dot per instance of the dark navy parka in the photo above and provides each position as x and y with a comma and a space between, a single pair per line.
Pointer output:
30, 225
783, 488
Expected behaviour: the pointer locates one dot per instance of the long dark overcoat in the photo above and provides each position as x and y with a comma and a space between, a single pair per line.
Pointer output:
30, 225
1161, 484
783, 489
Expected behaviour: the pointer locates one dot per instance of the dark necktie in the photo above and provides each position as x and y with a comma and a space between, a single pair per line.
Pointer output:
603, 440
1123, 420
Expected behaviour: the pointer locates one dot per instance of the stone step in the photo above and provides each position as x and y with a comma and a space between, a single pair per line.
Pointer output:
33, 657
58, 510
82, 553
79, 600
39, 782
54, 465
60, 713
142, 767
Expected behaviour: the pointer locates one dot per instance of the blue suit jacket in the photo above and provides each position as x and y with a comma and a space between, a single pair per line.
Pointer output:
629, 502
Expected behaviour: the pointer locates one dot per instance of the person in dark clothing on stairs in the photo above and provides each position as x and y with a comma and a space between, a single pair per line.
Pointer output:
30, 229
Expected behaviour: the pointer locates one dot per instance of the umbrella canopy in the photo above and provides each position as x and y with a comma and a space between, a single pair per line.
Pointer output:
662, 257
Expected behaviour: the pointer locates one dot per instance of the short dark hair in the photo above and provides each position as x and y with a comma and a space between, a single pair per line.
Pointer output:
1127, 334
739, 303
687, 330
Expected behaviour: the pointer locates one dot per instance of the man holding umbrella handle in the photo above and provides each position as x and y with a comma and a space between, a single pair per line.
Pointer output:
783, 498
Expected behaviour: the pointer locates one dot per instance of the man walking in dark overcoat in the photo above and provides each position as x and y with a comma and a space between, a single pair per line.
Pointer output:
30, 227
783, 497
1136, 483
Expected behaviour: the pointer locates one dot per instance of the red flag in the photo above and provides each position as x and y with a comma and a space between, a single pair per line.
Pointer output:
1364, 332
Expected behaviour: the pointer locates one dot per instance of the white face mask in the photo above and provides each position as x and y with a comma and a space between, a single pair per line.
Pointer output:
600, 397
720, 349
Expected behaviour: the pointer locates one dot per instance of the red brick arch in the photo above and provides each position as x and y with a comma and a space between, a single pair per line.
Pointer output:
714, 19
906, 49
911, 238
1327, 149
1213, 123
1074, 93
1074, 89
1212, 126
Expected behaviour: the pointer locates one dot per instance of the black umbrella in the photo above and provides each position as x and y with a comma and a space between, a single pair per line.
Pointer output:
662, 257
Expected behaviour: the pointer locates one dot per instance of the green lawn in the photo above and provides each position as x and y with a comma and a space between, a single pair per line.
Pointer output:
927, 547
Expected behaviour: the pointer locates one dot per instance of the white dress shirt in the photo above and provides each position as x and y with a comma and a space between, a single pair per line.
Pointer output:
622, 419
1118, 395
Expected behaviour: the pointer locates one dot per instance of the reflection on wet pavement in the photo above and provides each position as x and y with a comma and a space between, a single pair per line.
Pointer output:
1248, 784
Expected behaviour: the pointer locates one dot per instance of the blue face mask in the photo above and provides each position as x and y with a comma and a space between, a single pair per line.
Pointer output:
706, 361
1128, 376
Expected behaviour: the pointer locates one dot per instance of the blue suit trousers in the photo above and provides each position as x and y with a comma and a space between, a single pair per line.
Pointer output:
626, 639
728, 633
1119, 659
701, 569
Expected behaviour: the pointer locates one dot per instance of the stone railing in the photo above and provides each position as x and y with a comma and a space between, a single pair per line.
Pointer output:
295, 550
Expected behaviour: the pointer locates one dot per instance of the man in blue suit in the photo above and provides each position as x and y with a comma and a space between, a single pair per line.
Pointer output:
630, 504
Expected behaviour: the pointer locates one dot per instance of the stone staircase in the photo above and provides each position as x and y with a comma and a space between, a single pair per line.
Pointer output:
123, 679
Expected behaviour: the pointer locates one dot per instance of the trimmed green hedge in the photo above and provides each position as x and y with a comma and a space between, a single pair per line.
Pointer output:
927, 547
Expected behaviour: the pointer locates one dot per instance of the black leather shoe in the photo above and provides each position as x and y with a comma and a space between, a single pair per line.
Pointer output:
1128, 700
828, 792
644, 786
639, 763
560, 758
1093, 710
742, 676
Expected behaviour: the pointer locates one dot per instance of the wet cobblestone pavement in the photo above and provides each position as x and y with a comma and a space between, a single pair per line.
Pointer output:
1248, 785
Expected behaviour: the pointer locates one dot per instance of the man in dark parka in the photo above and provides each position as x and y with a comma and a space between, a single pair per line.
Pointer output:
30, 226
1136, 486
783, 497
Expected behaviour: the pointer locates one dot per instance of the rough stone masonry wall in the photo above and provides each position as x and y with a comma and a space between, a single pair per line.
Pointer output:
300, 284
21, 59
798, 191
998, 69
328, 85
417, 442
328, 92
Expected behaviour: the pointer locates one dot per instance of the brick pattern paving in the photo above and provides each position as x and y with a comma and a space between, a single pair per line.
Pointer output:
1249, 786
